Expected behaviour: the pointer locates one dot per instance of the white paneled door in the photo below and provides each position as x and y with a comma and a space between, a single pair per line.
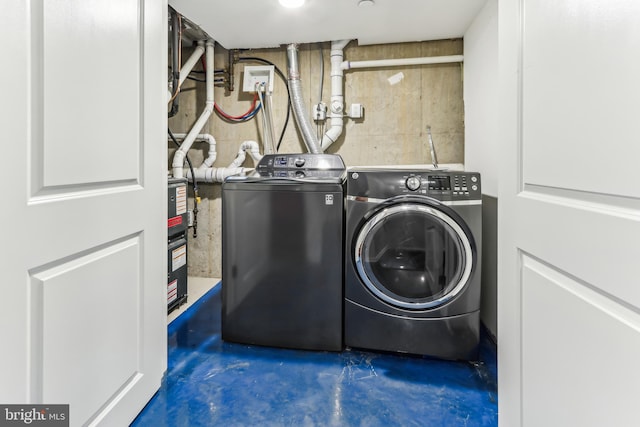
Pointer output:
83, 114
569, 281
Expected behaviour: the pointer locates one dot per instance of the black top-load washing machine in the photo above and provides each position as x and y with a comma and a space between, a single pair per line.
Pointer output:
282, 253
412, 261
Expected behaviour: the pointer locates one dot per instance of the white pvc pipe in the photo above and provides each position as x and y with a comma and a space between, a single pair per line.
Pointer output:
337, 97
211, 175
209, 139
180, 154
212, 154
185, 70
348, 65
251, 147
187, 67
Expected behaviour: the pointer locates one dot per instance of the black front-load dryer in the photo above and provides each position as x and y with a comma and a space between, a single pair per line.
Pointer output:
412, 261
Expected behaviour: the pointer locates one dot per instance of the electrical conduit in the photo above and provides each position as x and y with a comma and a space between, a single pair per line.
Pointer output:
297, 101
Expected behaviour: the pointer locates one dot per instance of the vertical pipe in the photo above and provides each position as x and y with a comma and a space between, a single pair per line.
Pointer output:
336, 113
297, 102
178, 157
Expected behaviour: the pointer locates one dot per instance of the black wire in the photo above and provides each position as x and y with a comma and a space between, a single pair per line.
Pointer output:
204, 80
286, 84
204, 71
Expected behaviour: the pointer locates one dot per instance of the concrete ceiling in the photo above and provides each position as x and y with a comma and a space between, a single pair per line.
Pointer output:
239, 24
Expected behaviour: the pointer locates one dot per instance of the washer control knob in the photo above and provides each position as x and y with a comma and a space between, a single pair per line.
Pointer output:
474, 187
299, 162
474, 178
413, 183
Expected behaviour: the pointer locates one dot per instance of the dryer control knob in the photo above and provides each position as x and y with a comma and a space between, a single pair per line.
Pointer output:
413, 183
299, 162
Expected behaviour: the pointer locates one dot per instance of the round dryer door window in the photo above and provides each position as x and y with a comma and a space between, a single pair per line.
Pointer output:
413, 256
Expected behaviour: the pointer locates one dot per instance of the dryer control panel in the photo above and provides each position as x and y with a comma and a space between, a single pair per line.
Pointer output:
456, 185
440, 185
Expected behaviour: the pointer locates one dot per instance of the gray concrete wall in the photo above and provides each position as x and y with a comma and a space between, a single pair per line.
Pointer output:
392, 131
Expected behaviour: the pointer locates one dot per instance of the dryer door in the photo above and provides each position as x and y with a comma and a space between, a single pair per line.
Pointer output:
414, 255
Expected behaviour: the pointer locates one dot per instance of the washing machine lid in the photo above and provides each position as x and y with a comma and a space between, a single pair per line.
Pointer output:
414, 255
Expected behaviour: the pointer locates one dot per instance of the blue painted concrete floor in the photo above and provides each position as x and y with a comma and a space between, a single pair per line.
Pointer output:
214, 383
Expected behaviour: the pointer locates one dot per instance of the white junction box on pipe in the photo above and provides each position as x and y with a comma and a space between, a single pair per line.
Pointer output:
258, 76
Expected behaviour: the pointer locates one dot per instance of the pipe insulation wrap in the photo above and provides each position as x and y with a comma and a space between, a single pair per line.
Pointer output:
297, 102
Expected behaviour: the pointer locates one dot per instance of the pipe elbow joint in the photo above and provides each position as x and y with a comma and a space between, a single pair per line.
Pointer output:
178, 159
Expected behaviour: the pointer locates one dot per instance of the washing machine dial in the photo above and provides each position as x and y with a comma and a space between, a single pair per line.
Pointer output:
413, 183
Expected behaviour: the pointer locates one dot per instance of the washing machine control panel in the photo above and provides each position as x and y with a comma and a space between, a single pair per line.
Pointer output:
304, 161
301, 166
413, 183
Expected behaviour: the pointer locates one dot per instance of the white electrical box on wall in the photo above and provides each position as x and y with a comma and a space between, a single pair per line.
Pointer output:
259, 76
356, 111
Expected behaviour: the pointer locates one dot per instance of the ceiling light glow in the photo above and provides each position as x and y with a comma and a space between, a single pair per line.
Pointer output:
291, 3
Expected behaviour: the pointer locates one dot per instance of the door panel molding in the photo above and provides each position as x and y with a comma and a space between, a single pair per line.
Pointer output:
86, 124
578, 327
578, 50
570, 220
86, 247
597, 244
620, 206
67, 295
